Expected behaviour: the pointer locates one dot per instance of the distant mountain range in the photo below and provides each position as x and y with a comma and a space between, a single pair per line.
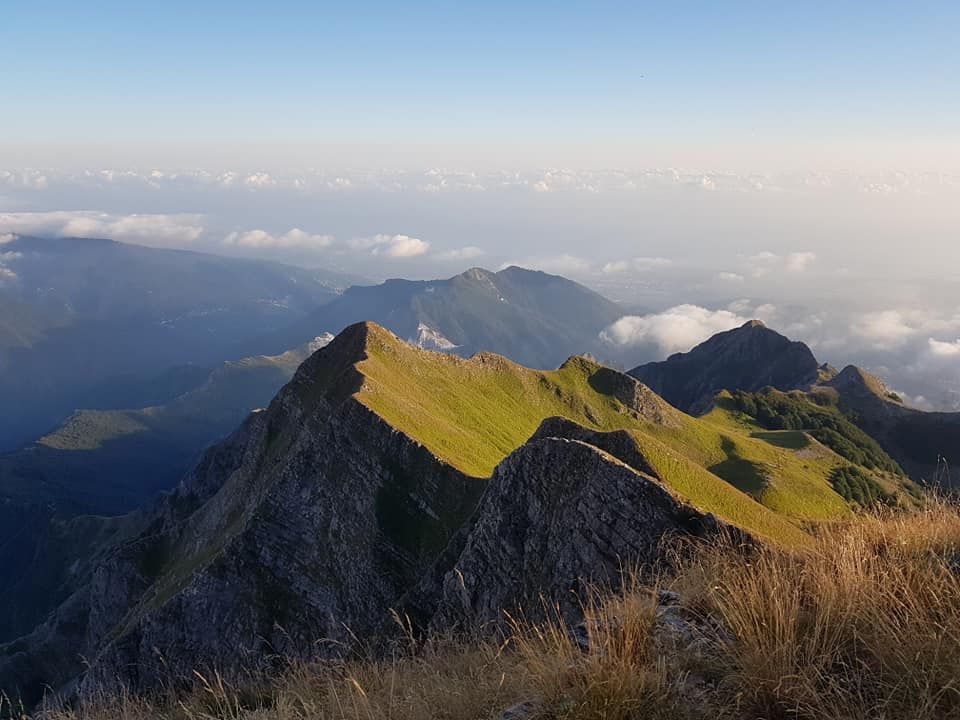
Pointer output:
97, 324
78, 313
531, 317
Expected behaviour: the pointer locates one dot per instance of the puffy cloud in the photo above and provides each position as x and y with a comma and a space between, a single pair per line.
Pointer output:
392, 246
465, 253
638, 264
6, 237
888, 327
294, 238
675, 330
800, 261
730, 277
147, 229
940, 348
259, 180
6, 274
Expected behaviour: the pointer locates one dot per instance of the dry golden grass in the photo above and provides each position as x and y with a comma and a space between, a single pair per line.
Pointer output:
865, 624
609, 669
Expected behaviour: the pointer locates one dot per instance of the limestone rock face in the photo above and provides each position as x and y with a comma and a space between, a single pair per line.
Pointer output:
311, 520
558, 515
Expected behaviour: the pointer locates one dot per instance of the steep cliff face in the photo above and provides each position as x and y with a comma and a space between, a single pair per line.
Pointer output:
312, 519
353, 513
750, 358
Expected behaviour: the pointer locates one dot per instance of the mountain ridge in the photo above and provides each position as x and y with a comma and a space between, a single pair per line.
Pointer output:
532, 317
325, 509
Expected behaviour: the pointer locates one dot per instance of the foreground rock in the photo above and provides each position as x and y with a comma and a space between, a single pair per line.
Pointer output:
560, 516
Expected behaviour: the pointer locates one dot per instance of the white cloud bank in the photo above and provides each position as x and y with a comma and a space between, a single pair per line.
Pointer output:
146, 229
892, 328
637, 264
675, 330
294, 238
465, 253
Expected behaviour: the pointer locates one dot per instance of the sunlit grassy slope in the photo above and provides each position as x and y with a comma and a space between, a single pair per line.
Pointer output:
473, 413
786, 472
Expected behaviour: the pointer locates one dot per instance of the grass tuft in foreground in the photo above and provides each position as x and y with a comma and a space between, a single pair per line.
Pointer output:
865, 623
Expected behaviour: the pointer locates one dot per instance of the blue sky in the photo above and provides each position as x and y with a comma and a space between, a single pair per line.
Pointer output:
291, 81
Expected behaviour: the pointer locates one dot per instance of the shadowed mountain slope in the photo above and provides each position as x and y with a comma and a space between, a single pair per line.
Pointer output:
78, 313
750, 357
107, 462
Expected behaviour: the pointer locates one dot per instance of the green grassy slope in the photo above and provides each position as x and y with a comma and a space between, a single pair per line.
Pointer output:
472, 413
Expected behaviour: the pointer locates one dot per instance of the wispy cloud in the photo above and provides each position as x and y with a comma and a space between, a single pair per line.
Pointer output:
944, 349
471, 252
294, 238
637, 264
563, 264
800, 261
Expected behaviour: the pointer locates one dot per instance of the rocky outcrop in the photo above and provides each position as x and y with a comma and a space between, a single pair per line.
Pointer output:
314, 518
558, 516
749, 358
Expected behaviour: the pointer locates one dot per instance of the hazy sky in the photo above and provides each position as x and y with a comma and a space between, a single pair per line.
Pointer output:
756, 86
700, 162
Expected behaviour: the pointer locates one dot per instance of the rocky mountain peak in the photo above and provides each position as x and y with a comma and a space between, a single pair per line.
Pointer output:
749, 357
857, 381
